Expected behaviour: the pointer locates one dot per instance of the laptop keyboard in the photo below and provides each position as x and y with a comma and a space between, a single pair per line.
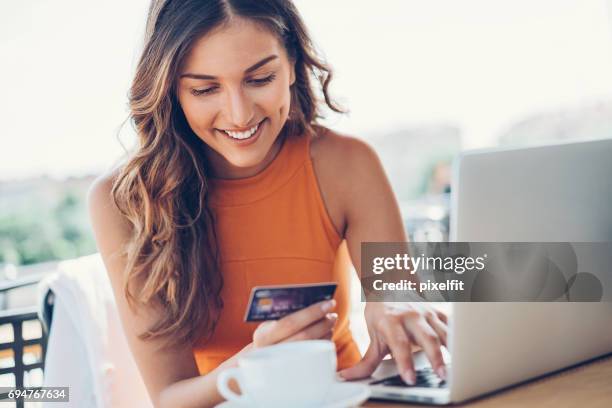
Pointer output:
425, 377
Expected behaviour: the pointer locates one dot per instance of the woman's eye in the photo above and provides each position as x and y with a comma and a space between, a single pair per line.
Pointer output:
263, 81
198, 92
256, 82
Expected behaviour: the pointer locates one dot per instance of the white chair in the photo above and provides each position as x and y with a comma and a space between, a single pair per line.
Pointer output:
87, 350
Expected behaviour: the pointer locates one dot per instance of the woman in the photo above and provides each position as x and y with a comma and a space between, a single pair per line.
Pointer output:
234, 185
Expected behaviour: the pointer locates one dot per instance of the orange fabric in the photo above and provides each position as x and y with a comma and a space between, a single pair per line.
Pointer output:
273, 229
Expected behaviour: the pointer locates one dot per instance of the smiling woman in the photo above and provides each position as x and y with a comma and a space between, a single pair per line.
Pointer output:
234, 185
233, 107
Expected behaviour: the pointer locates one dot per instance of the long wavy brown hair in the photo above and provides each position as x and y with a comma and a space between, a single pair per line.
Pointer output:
162, 190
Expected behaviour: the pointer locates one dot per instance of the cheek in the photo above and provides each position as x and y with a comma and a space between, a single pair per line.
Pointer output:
276, 98
197, 113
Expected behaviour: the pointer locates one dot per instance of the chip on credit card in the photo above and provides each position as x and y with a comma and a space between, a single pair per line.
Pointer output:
274, 302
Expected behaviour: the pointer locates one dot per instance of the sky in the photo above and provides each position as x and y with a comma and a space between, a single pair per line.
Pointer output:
479, 64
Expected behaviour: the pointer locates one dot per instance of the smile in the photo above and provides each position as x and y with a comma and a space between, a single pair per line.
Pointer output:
242, 135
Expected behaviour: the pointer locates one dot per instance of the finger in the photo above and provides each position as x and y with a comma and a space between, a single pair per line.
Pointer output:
261, 334
442, 316
276, 331
317, 330
366, 366
439, 327
429, 340
396, 338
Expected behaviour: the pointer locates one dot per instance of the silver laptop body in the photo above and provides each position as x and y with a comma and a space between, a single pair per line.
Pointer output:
538, 194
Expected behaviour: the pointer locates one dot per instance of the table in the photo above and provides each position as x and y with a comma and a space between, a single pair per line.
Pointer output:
586, 385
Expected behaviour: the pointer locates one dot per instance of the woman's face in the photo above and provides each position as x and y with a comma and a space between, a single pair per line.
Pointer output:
234, 90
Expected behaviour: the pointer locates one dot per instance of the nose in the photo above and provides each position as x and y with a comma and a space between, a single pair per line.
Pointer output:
239, 108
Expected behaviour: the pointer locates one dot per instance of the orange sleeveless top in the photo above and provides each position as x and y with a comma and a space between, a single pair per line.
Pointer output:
273, 229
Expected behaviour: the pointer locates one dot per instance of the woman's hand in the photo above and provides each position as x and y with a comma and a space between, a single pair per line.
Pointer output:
311, 323
397, 331
314, 322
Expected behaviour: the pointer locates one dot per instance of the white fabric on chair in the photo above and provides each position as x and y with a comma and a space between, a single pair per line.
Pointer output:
87, 350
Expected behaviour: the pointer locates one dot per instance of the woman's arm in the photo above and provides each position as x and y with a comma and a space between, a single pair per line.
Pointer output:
171, 375
360, 198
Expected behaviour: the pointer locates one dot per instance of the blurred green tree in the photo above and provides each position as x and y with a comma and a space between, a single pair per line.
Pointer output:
46, 231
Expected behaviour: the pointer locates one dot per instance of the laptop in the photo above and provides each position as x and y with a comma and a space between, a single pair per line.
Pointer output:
548, 193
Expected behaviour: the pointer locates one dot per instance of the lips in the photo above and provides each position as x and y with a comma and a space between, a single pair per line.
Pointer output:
244, 138
242, 135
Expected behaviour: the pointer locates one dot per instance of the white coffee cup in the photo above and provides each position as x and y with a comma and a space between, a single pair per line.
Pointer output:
293, 374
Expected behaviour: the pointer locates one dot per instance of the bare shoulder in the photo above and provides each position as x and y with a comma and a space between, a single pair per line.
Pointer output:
345, 167
330, 146
109, 225
349, 163
100, 190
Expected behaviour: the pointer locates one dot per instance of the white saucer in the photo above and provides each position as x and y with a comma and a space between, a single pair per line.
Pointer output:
341, 395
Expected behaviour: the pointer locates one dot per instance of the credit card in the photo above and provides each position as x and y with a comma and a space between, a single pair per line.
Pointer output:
274, 302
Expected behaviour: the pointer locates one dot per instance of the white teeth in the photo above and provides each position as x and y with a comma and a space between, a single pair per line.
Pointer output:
242, 135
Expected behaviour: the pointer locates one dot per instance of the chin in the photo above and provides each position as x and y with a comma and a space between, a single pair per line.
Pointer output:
245, 162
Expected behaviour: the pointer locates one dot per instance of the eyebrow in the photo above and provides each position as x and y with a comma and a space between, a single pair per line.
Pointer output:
246, 71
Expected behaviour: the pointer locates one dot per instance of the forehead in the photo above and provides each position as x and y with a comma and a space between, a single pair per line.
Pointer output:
231, 48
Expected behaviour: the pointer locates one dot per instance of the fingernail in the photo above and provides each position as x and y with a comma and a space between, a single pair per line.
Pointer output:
409, 377
441, 371
329, 305
332, 316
